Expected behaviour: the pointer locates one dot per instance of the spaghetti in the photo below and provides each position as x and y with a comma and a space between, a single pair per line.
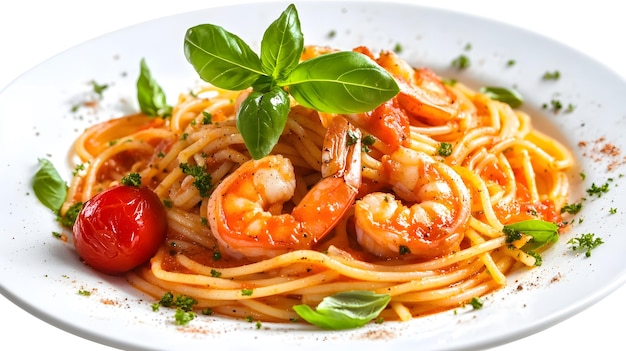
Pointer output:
441, 169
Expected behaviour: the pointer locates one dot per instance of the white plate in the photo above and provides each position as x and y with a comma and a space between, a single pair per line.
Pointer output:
43, 276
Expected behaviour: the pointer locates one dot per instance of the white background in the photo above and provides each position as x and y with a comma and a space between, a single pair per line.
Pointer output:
33, 31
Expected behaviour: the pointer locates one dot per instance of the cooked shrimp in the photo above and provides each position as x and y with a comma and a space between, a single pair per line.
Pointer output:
433, 222
423, 97
422, 92
245, 211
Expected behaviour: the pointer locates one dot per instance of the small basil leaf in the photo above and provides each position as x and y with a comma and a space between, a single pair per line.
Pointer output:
540, 231
263, 84
341, 82
344, 310
282, 44
150, 95
506, 95
261, 119
221, 58
49, 187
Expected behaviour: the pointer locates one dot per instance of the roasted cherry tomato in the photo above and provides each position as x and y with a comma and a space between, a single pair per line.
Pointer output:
120, 228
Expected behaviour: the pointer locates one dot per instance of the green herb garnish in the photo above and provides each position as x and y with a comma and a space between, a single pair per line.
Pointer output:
598, 190
182, 317
150, 96
506, 95
461, 62
131, 179
572, 208
50, 189
202, 182
344, 310
68, 219
444, 149
476, 303
339, 82
541, 232
551, 75
585, 242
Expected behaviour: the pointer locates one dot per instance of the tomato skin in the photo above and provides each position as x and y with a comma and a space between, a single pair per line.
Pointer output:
120, 228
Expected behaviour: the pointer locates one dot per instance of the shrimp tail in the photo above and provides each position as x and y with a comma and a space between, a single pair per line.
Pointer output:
341, 172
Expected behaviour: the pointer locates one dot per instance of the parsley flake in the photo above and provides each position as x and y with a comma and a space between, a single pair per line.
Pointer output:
585, 242
202, 180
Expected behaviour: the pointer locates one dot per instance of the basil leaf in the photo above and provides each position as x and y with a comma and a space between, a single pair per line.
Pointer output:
509, 96
221, 58
150, 95
344, 310
261, 120
341, 82
49, 187
541, 231
282, 44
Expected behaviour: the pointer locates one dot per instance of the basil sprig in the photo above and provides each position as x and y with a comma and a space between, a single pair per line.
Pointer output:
340, 82
344, 310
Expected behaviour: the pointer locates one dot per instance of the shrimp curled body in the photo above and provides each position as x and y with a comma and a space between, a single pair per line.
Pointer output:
433, 222
245, 211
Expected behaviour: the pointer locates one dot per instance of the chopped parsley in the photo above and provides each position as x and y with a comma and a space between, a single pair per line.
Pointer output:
246, 292
444, 149
404, 250
78, 169
366, 142
68, 219
476, 303
352, 138
183, 302
551, 75
598, 190
555, 105
537, 257
132, 179
182, 317
202, 180
99, 88
572, 208
585, 242
207, 118
184, 307
461, 62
